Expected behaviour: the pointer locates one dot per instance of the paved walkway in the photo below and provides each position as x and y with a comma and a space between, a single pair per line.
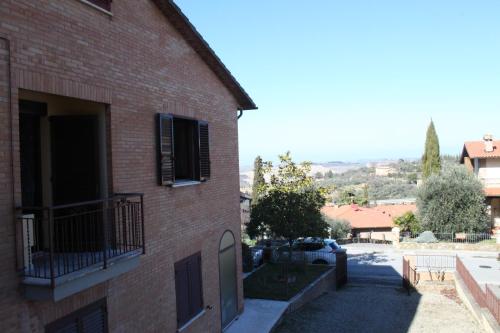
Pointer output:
368, 308
484, 268
374, 301
259, 316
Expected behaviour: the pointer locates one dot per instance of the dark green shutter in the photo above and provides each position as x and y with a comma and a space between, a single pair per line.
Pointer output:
204, 150
166, 168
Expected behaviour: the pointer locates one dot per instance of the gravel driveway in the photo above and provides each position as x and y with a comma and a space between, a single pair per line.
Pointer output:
373, 301
365, 308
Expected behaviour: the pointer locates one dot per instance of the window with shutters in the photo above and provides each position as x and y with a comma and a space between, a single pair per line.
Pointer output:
188, 288
90, 319
183, 150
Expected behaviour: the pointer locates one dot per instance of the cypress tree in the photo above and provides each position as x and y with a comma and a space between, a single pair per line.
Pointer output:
258, 179
431, 160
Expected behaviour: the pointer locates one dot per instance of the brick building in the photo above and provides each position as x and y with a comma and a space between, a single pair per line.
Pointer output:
101, 228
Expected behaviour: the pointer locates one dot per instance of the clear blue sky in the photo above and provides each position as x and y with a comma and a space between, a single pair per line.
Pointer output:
349, 80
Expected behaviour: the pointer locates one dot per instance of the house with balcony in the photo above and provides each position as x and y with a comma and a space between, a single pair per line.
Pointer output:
119, 175
483, 159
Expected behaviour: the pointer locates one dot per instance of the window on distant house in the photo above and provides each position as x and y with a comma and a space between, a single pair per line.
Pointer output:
188, 288
90, 319
183, 150
104, 4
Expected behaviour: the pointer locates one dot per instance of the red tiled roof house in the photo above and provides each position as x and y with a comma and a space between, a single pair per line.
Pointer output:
483, 159
118, 170
369, 222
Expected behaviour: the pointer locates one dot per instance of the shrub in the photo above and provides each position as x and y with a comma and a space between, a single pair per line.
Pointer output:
339, 228
426, 237
247, 258
408, 222
452, 201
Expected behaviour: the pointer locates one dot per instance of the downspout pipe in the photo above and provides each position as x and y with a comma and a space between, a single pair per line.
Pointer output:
9, 106
240, 113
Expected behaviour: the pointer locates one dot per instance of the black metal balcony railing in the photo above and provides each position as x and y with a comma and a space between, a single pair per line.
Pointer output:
63, 239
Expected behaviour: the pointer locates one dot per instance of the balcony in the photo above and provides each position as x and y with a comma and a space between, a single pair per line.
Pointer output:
69, 248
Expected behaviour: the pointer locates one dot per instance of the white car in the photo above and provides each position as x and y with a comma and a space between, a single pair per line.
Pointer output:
310, 251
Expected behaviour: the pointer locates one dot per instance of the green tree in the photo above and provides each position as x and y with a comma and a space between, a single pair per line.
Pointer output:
258, 179
329, 174
412, 178
452, 201
431, 160
408, 222
339, 228
290, 203
318, 175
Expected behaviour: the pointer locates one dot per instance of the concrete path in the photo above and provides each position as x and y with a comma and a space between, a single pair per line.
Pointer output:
373, 301
259, 316
374, 263
368, 308
484, 269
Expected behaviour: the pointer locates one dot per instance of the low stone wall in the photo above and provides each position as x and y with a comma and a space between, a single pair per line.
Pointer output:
324, 283
447, 246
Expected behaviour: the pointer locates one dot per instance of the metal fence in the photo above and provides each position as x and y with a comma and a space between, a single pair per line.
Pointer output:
484, 298
436, 265
450, 237
62, 239
432, 262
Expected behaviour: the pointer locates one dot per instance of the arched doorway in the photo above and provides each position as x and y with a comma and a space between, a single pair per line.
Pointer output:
227, 278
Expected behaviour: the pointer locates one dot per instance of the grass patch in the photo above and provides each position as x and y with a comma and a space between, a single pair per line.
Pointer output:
268, 281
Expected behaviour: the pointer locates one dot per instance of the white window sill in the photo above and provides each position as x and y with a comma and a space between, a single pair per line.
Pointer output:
192, 320
102, 10
182, 183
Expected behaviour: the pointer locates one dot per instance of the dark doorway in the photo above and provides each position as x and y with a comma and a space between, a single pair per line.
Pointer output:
75, 159
78, 226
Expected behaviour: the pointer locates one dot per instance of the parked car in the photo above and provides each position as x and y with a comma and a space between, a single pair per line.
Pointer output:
257, 254
334, 245
311, 250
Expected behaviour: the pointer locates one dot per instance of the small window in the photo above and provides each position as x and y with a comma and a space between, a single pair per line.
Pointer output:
183, 153
104, 4
188, 288
90, 319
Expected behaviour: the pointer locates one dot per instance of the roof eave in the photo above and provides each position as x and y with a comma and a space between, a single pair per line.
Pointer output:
182, 24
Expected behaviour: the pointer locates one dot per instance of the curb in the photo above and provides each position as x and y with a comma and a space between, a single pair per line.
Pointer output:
482, 316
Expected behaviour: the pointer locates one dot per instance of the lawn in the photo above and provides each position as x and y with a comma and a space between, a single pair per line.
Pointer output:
268, 281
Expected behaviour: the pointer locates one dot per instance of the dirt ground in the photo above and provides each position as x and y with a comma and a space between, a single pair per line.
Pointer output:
372, 308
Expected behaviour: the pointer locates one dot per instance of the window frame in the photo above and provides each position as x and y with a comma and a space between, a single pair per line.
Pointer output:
200, 167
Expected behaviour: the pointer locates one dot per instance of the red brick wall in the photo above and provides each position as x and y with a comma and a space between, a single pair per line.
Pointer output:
136, 62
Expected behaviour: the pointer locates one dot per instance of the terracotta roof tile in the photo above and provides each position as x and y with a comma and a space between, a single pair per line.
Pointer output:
475, 149
368, 217
492, 192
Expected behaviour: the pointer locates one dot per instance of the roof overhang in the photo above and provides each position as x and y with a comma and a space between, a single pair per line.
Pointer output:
181, 23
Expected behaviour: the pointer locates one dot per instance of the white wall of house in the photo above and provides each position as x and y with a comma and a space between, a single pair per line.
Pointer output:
489, 172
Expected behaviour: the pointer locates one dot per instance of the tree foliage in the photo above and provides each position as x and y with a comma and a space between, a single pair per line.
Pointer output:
408, 222
339, 228
431, 160
258, 179
290, 205
452, 201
